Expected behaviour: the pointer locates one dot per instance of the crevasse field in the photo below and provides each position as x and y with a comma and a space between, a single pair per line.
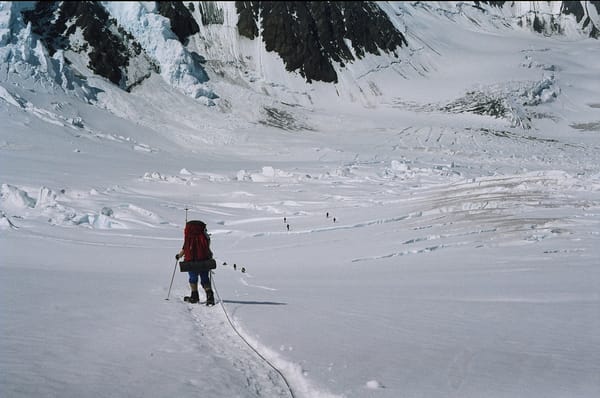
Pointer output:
464, 260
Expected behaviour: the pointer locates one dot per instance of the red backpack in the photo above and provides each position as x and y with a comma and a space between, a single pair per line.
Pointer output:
196, 244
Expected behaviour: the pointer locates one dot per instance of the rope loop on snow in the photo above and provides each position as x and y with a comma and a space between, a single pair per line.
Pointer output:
212, 277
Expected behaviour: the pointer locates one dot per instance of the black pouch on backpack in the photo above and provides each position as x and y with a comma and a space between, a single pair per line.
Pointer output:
197, 265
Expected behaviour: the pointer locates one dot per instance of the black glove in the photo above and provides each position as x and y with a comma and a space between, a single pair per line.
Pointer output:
177, 256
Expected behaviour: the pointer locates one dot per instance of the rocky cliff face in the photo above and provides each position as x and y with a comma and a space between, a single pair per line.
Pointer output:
126, 42
582, 12
86, 28
310, 36
548, 17
183, 23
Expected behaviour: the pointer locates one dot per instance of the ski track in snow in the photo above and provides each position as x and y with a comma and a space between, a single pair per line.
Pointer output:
247, 356
260, 379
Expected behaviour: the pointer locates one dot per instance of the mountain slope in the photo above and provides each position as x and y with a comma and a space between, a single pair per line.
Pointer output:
125, 42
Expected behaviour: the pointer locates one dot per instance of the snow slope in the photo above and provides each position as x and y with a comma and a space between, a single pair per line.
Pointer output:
463, 260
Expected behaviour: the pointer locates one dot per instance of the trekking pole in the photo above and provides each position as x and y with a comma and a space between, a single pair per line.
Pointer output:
172, 277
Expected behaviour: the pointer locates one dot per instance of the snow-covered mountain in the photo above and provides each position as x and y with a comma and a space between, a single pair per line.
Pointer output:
411, 188
126, 42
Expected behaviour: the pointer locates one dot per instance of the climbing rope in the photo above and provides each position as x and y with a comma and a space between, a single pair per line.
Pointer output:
212, 277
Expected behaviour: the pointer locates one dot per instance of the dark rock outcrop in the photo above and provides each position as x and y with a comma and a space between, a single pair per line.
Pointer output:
247, 22
309, 36
110, 49
183, 23
581, 16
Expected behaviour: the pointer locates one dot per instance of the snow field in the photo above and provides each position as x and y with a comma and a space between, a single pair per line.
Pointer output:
434, 216
463, 261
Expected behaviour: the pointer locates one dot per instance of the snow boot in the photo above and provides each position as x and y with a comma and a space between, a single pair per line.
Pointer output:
210, 297
194, 297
